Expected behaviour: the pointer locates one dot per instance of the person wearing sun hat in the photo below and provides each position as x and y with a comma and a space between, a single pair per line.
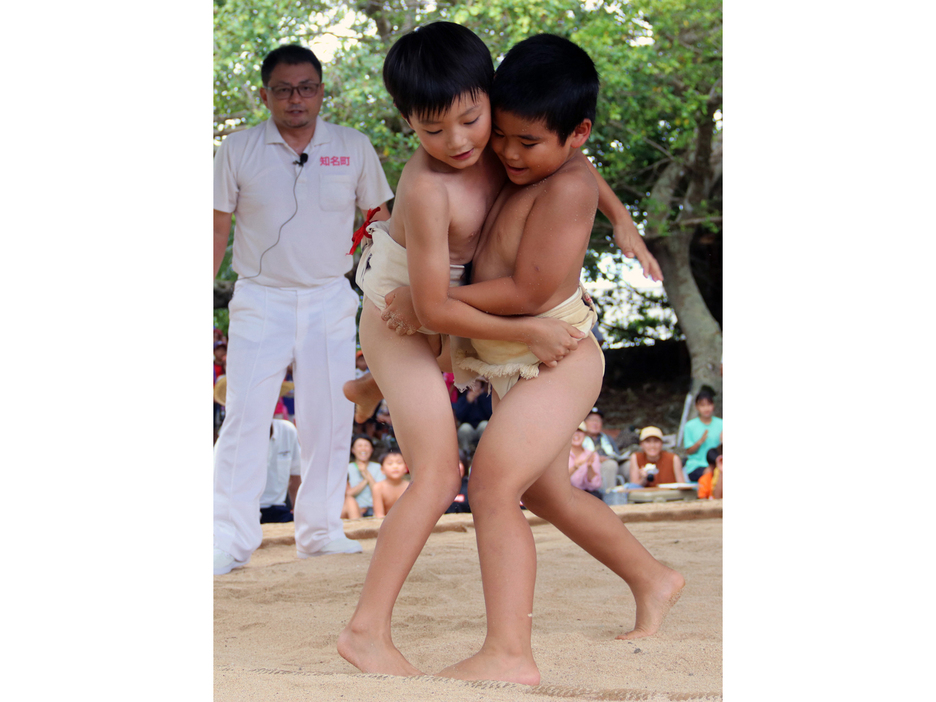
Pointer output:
652, 465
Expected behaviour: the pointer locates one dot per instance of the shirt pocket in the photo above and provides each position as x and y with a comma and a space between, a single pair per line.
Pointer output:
337, 193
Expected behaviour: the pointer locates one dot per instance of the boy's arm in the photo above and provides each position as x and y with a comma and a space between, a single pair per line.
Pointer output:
555, 237
427, 256
626, 235
377, 493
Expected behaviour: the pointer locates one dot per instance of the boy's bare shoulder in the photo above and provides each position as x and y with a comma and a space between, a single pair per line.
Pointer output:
420, 185
570, 187
574, 177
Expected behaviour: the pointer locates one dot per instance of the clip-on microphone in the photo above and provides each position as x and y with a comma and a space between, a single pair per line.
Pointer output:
302, 159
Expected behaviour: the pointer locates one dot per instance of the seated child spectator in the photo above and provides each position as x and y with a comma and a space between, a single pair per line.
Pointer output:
363, 474
584, 465
710, 478
389, 490
701, 434
652, 465
606, 448
282, 473
460, 503
350, 509
472, 412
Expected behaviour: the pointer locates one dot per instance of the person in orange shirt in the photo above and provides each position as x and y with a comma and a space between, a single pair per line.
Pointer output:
710, 482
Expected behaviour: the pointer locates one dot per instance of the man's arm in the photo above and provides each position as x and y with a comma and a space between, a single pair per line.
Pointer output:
294, 482
381, 216
222, 232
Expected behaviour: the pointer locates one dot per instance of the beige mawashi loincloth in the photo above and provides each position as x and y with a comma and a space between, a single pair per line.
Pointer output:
503, 363
383, 268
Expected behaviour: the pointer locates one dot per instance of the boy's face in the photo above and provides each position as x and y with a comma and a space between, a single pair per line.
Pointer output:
393, 466
528, 149
456, 137
705, 408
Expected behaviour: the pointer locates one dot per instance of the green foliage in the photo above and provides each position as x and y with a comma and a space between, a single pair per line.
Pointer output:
659, 60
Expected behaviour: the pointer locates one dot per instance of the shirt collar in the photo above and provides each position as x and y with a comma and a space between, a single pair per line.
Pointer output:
322, 135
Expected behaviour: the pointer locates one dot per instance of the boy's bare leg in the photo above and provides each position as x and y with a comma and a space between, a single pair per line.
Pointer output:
591, 524
529, 434
405, 368
366, 395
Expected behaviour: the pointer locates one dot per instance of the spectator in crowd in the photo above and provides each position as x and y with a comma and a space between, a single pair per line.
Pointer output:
460, 503
701, 434
350, 510
652, 465
288, 392
472, 412
283, 473
389, 490
363, 474
220, 358
606, 448
292, 301
710, 478
584, 464
360, 364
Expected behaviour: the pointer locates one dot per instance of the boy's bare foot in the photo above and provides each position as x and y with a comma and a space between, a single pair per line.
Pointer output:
365, 395
482, 666
370, 655
654, 603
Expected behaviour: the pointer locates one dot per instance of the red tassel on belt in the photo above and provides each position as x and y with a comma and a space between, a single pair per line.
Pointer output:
362, 230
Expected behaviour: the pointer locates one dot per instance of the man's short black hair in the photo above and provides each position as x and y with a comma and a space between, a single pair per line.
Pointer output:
706, 393
549, 78
428, 69
291, 55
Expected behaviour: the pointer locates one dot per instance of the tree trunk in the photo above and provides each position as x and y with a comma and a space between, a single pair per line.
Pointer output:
703, 335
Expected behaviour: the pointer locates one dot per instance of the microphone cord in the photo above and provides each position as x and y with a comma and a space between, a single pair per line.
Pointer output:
301, 162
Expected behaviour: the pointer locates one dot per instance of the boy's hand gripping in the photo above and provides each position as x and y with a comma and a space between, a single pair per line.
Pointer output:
552, 339
399, 314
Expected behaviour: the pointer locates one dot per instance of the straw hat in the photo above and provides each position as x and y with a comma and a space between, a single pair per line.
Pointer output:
220, 389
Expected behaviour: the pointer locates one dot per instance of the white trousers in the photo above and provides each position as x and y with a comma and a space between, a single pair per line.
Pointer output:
314, 329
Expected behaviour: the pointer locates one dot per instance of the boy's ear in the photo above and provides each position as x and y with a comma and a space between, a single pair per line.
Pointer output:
581, 133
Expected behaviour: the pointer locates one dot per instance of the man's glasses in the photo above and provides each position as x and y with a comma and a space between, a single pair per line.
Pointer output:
284, 92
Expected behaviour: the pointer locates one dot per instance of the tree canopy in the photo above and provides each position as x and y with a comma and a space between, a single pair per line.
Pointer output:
657, 140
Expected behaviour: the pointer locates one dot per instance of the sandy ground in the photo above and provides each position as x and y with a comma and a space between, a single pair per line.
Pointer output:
278, 618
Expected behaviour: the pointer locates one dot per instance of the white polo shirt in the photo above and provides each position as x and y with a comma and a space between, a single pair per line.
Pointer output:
254, 178
282, 461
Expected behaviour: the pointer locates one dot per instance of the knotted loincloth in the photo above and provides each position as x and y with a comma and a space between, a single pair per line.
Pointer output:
383, 268
505, 362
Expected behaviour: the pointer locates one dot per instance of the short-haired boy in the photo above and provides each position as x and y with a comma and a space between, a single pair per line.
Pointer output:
529, 261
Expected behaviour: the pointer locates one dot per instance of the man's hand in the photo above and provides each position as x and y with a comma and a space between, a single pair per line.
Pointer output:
553, 339
632, 245
400, 315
